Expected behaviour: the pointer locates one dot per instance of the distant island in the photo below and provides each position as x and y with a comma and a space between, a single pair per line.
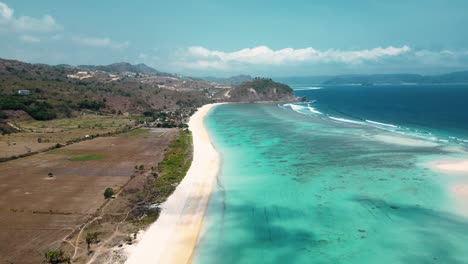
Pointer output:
380, 79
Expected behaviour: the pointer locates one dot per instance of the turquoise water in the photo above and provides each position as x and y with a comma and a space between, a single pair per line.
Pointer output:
298, 188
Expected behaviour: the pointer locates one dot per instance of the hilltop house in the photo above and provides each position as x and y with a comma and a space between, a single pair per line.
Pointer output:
24, 92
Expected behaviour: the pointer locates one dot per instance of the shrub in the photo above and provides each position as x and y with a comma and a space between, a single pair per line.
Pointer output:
56, 257
108, 193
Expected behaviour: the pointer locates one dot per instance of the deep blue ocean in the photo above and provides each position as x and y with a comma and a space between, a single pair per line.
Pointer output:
437, 111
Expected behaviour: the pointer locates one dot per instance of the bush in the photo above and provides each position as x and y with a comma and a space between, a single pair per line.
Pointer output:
56, 257
108, 193
91, 105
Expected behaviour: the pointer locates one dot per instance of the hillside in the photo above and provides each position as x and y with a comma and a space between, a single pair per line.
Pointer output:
124, 67
233, 80
261, 89
61, 91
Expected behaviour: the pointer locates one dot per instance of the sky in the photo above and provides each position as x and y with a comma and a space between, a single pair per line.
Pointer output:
257, 37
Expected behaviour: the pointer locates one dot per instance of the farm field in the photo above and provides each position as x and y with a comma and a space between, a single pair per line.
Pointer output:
45, 197
40, 135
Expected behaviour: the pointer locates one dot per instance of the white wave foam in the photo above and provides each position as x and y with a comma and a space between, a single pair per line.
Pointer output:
381, 124
308, 88
296, 108
459, 139
313, 110
345, 120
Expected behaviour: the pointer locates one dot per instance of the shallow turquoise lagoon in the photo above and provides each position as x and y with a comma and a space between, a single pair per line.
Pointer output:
301, 189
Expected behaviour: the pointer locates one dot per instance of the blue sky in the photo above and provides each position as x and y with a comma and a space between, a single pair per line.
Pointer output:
221, 38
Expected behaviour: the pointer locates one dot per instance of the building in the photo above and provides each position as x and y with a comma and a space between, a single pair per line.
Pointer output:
24, 92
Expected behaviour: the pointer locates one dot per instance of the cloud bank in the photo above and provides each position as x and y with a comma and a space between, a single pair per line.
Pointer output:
26, 24
100, 42
203, 58
34, 30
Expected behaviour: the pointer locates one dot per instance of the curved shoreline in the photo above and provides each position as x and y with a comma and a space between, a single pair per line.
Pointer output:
174, 236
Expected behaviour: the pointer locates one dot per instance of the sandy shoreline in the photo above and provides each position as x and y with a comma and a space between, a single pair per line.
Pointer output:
173, 237
459, 166
456, 172
405, 141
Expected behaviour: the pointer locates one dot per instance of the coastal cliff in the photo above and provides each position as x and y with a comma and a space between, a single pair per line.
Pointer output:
261, 89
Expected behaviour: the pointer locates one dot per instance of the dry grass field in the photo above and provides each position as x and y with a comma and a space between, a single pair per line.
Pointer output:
40, 135
44, 197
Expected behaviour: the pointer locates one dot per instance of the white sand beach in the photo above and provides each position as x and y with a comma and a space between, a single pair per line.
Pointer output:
173, 237
451, 166
405, 141
457, 183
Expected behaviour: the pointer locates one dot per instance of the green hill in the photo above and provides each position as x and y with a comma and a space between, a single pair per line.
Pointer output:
261, 89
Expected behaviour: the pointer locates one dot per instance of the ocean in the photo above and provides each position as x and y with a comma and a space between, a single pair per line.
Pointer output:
342, 179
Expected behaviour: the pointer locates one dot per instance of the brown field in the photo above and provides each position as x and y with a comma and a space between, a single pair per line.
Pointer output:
38, 212
57, 131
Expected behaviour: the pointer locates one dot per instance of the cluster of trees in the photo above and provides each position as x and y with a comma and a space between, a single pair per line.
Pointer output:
91, 105
37, 109
40, 109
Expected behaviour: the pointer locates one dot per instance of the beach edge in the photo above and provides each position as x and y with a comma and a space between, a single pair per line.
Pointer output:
174, 236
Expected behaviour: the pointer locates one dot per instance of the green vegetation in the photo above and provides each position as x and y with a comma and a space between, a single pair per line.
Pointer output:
37, 109
263, 85
88, 121
89, 157
54, 95
108, 193
91, 105
56, 257
91, 238
171, 170
174, 166
261, 89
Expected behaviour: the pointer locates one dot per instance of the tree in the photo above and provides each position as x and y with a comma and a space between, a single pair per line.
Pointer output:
56, 257
91, 238
108, 193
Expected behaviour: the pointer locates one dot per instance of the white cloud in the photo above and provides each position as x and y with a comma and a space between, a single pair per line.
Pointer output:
29, 39
26, 24
6, 13
46, 24
203, 58
100, 42
207, 65
142, 56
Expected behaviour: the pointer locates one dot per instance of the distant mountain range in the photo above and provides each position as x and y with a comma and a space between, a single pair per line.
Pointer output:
450, 78
234, 80
124, 67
